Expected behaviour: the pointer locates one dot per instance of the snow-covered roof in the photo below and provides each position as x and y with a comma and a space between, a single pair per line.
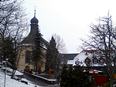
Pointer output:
70, 56
18, 73
80, 58
70, 62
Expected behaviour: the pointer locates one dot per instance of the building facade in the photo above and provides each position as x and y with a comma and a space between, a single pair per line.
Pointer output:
25, 51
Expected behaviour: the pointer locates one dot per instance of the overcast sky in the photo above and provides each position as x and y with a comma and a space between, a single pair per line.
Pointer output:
70, 19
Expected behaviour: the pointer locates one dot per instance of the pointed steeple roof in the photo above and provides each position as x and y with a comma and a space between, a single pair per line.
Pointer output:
34, 31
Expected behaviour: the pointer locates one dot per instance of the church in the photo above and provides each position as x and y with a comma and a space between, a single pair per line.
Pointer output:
24, 58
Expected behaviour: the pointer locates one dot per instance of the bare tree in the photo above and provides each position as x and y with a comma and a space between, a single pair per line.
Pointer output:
103, 40
12, 21
12, 26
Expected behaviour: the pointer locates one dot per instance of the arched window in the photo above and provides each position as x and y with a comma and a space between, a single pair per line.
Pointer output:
28, 57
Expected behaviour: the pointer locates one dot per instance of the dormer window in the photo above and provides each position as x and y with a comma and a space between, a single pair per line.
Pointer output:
77, 62
87, 61
95, 60
101, 61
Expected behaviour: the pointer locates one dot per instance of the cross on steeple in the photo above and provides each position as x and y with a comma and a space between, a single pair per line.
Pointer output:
34, 12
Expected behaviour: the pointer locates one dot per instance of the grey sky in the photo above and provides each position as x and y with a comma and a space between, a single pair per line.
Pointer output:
69, 18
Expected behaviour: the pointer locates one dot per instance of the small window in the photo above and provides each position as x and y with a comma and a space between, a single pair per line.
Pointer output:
101, 61
95, 60
87, 61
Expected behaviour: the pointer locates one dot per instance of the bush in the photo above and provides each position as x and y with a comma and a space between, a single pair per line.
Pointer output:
73, 76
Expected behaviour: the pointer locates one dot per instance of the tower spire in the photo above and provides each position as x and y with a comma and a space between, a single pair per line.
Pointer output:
34, 12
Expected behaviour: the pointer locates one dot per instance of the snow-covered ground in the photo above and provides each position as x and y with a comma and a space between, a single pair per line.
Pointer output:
12, 82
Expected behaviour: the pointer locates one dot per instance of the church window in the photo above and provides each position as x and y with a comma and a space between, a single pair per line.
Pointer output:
28, 57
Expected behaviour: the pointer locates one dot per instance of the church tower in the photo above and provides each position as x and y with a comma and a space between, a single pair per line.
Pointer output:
24, 57
33, 31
